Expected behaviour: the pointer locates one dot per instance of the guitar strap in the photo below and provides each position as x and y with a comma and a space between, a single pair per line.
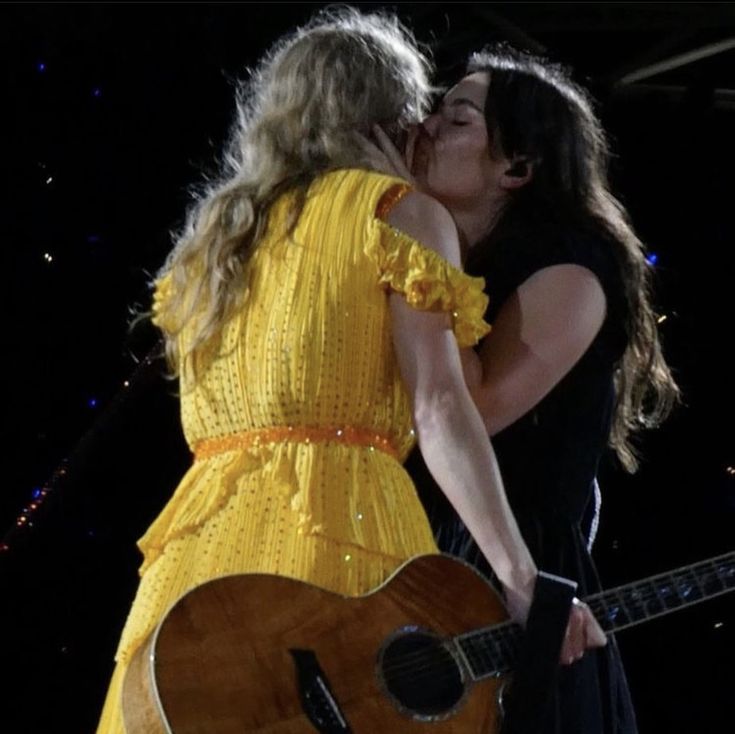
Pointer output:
526, 705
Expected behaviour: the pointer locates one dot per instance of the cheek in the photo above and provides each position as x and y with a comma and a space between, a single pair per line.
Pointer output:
460, 164
465, 145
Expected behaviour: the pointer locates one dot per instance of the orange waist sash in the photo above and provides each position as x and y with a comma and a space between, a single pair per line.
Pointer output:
348, 435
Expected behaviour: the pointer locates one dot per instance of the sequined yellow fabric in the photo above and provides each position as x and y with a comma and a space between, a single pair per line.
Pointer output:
430, 283
310, 348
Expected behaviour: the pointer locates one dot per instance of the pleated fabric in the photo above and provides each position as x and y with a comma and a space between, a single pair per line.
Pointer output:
300, 422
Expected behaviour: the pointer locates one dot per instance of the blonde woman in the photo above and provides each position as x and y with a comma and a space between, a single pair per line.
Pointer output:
312, 311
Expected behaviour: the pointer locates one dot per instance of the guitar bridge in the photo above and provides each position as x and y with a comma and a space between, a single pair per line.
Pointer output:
317, 699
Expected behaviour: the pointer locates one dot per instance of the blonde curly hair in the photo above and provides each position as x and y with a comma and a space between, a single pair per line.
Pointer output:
299, 114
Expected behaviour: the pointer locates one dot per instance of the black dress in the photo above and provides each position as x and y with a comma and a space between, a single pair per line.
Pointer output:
548, 460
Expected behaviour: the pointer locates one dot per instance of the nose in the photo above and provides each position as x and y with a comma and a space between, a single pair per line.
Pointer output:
430, 126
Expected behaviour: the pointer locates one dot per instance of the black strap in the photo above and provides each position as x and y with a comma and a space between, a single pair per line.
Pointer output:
527, 700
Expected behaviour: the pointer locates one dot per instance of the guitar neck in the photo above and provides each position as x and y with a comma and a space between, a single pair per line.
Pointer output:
493, 650
625, 606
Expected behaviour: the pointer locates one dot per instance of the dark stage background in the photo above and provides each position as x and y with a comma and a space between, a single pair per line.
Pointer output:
112, 111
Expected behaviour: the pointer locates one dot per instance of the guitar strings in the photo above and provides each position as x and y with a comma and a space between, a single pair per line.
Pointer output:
724, 565
507, 634
681, 591
420, 661
498, 635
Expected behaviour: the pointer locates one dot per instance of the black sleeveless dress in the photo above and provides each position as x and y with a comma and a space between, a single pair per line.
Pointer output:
548, 460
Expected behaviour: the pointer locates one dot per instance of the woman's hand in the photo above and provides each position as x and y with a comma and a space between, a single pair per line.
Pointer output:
583, 632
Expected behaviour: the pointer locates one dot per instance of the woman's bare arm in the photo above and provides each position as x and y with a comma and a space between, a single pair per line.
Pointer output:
450, 432
541, 332
452, 436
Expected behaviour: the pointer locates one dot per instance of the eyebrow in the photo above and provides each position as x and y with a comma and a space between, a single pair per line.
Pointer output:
459, 101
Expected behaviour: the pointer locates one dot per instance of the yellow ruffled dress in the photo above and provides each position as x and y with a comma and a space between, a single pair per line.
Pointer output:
300, 423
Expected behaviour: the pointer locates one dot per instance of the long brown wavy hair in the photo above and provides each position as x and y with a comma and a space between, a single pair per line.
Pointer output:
299, 114
535, 110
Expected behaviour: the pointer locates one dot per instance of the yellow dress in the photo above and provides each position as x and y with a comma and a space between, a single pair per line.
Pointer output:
300, 424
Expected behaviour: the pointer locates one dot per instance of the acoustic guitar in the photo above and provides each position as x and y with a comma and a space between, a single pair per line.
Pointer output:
428, 651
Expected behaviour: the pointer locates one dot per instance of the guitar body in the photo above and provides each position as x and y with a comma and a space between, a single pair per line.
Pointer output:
268, 654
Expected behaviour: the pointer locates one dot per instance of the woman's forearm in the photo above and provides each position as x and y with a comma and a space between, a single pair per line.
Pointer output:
459, 456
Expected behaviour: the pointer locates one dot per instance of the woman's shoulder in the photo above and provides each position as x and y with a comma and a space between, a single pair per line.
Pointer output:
428, 222
519, 254
357, 194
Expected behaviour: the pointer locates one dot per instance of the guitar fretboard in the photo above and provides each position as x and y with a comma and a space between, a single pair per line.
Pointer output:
625, 606
493, 650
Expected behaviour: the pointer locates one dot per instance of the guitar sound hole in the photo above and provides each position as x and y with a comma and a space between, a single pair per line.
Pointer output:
421, 675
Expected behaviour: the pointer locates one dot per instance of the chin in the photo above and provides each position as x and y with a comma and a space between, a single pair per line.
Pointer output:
424, 184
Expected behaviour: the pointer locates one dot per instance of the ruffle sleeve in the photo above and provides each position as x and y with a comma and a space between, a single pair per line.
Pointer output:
429, 282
